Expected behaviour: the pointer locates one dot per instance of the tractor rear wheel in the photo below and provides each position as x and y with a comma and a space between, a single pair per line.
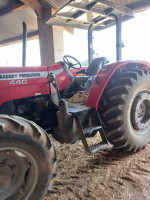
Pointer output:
27, 159
125, 109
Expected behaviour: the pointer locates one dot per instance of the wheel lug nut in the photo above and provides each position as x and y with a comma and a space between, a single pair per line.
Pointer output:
7, 152
13, 176
21, 191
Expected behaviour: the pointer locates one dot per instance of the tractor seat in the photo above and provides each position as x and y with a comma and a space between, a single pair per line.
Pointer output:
92, 69
95, 65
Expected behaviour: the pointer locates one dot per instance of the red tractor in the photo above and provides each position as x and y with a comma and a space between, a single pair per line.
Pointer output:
113, 99
118, 106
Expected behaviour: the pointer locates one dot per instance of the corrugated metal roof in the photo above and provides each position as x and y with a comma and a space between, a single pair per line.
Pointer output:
11, 22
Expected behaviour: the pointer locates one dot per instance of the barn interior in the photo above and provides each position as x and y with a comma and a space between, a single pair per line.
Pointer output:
109, 174
46, 19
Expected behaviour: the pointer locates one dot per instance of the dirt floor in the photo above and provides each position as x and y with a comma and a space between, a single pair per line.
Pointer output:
106, 175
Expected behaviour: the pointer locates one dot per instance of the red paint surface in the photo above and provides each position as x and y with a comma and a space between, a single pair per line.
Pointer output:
35, 85
62, 79
40, 85
103, 78
10, 92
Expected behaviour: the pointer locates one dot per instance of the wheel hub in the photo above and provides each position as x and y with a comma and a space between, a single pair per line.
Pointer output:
140, 114
5, 176
12, 172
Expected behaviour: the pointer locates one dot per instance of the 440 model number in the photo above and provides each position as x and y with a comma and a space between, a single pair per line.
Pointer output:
18, 82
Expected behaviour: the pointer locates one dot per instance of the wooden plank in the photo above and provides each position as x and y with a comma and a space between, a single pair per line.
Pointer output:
11, 8
140, 5
65, 15
80, 26
20, 8
54, 14
16, 39
69, 30
76, 21
83, 8
102, 20
121, 9
35, 5
53, 11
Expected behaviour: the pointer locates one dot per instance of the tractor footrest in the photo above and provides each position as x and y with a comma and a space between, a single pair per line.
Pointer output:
98, 147
91, 129
88, 123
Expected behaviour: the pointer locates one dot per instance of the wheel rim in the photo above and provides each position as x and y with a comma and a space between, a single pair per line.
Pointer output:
140, 112
19, 173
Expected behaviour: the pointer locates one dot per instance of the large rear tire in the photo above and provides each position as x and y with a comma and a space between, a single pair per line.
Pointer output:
125, 109
27, 159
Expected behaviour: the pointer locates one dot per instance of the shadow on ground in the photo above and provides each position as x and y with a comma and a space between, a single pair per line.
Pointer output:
107, 175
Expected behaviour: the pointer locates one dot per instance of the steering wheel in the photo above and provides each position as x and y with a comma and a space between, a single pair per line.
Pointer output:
67, 59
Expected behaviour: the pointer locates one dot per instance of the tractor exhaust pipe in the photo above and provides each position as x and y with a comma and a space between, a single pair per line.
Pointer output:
24, 44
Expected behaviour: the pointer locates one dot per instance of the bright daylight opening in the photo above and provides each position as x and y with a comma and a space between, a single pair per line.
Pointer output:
135, 36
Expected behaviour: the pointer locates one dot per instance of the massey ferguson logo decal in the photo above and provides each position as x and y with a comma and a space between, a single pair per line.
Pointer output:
28, 75
8, 76
20, 76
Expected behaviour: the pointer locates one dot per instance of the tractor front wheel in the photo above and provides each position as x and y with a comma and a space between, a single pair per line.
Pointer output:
27, 159
125, 109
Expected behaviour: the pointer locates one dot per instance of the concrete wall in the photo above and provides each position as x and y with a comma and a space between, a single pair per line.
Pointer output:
58, 43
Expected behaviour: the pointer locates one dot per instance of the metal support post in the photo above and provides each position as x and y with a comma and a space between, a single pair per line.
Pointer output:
24, 44
90, 44
119, 43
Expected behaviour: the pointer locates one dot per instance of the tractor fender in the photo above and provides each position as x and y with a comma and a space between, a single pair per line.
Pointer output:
104, 75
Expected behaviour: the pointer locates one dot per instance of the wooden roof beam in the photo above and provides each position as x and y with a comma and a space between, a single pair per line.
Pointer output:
140, 5
18, 39
99, 21
72, 18
35, 5
20, 8
122, 9
84, 8
65, 15
11, 8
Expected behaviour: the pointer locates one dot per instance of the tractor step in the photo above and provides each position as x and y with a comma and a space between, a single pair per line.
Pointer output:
98, 147
88, 122
91, 129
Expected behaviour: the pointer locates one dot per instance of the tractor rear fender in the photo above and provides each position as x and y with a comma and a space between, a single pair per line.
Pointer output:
104, 75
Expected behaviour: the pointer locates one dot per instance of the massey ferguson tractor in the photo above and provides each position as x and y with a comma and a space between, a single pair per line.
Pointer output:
112, 99
118, 106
